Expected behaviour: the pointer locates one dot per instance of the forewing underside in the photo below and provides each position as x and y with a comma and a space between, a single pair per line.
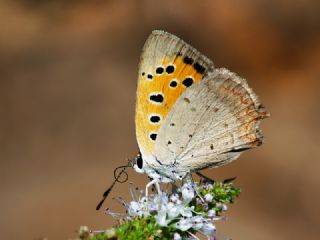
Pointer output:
168, 66
211, 123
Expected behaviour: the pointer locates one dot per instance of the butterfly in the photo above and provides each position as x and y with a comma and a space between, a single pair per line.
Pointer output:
189, 114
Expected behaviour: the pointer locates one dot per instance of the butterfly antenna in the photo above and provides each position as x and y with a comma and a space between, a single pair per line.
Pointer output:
120, 175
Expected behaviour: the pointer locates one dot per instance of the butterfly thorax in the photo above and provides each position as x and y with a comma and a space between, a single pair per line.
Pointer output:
162, 173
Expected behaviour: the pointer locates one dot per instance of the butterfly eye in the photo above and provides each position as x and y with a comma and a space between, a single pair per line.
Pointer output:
139, 162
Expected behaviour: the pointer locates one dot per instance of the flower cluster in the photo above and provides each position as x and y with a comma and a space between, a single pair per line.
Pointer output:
179, 214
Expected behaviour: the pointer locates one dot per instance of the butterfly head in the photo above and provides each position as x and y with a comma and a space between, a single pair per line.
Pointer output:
140, 165
137, 163
156, 170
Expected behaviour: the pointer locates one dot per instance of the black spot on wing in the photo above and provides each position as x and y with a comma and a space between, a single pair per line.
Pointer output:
170, 69
187, 100
155, 119
173, 83
153, 136
187, 60
157, 98
199, 68
187, 82
159, 70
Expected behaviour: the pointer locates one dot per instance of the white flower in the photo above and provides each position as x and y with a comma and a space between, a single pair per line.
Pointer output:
160, 199
135, 209
176, 236
208, 229
174, 197
152, 206
211, 213
197, 222
184, 224
177, 210
174, 209
208, 197
187, 211
224, 207
209, 186
188, 192
161, 218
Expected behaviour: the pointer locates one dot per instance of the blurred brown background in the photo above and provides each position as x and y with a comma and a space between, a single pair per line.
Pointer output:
68, 72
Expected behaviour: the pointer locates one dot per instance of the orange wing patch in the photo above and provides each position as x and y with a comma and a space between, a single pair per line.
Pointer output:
158, 90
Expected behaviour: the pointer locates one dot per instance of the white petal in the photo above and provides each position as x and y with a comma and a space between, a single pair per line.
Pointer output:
161, 218
176, 236
188, 192
174, 211
186, 212
208, 229
135, 209
174, 197
208, 197
184, 224
197, 222
224, 207
211, 213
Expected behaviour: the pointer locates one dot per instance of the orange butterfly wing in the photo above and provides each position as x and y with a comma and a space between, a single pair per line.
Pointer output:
168, 66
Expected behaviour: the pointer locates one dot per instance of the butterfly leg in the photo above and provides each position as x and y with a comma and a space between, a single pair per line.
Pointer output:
205, 177
149, 184
158, 187
188, 179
